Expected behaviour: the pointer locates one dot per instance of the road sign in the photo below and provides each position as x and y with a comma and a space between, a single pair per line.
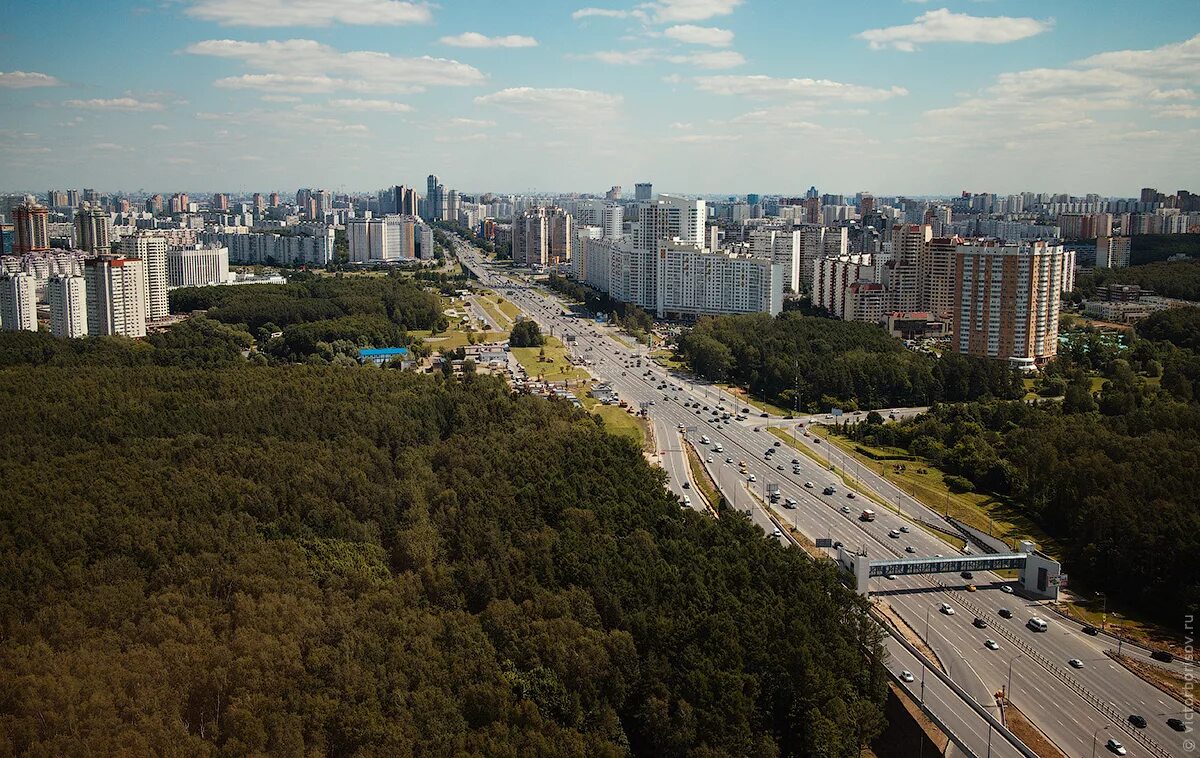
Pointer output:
824, 542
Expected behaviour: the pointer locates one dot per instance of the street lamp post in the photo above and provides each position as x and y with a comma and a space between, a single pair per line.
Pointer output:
1096, 736
1008, 684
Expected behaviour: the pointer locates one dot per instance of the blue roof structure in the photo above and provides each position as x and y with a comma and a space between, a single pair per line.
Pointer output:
382, 352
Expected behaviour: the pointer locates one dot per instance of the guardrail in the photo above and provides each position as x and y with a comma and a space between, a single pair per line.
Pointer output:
1062, 675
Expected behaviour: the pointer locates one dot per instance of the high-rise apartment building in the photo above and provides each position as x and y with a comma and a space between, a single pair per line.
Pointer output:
1112, 252
542, 236
1007, 300
151, 250
18, 302
909, 248
93, 230
68, 306
220, 202
197, 266
937, 276
783, 246
643, 192
116, 296
693, 281
832, 277
391, 239
31, 224
614, 193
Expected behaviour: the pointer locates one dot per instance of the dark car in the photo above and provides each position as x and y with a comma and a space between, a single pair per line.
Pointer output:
1177, 725
836, 545
1091, 630
1138, 721
980, 623
967, 575
764, 415
1162, 655
777, 444
1005, 613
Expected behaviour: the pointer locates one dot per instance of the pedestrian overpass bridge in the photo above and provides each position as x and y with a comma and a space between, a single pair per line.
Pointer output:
1040, 575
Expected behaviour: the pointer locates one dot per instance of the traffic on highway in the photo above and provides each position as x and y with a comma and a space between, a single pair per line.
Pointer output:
988, 636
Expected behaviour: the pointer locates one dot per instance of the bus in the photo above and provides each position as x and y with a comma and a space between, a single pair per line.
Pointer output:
867, 516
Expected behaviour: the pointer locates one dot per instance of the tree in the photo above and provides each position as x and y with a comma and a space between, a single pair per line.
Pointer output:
526, 333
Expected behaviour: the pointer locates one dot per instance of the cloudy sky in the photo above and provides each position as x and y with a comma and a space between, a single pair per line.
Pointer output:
720, 96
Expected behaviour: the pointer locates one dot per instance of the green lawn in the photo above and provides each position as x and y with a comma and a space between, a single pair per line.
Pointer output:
509, 309
454, 339
667, 358
555, 367
982, 511
622, 423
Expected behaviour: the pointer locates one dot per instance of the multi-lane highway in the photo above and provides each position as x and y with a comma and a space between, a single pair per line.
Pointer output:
1075, 707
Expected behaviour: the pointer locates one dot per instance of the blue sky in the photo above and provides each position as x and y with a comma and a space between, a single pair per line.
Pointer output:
720, 96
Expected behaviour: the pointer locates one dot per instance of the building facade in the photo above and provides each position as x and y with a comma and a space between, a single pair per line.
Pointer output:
197, 266
67, 296
151, 250
693, 281
18, 302
116, 296
93, 230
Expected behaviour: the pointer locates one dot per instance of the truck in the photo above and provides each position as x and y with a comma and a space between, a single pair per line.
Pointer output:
867, 515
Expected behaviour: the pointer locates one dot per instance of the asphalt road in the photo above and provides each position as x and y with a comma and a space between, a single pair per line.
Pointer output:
1072, 706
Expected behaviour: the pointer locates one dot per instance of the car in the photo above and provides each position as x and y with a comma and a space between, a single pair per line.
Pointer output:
904, 529
777, 443
851, 495
796, 471
1162, 655
1115, 747
1177, 724
836, 545
795, 461
752, 478
780, 467
816, 441
776, 534
808, 485
909, 549
971, 588
729, 460
845, 509
1075, 663
1091, 630
789, 503
947, 609
708, 459
894, 534
967, 575
907, 676
991, 645
980, 622
1007, 590
1138, 721
764, 415
891, 577
1005, 613
687, 485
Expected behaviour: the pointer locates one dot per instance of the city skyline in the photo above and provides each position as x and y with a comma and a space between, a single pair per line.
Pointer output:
703, 96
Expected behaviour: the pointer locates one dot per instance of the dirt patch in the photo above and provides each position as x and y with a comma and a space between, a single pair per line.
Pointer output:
1026, 732
1166, 680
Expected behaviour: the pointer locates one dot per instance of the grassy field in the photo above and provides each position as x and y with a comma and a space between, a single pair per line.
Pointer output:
701, 479
555, 367
985, 512
621, 423
509, 309
667, 358
454, 339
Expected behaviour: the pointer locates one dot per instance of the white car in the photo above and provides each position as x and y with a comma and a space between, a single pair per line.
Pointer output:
947, 609
808, 485
904, 529
906, 676
845, 509
776, 534
1006, 589
1075, 663
894, 534
991, 645
752, 478
891, 577
708, 459
1115, 747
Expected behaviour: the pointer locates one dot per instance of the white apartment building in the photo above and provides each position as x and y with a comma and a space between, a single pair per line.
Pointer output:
693, 281
152, 251
197, 266
669, 217
390, 239
314, 249
832, 278
783, 246
18, 303
1112, 252
68, 306
116, 296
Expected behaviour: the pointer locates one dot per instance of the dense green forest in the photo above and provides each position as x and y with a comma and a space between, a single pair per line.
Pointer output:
817, 363
313, 312
311, 560
1110, 474
1149, 248
1179, 279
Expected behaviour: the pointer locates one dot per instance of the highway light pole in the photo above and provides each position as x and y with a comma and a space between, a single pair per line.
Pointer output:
1008, 684
1096, 736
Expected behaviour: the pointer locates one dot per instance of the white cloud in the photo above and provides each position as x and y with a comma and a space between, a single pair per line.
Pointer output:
671, 11
307, 66
599, 13
280, 99
264, 13
473, 122
715, 59
159, 127
703, 139
26, 80
475, 39
944, 26
1179, 111
562, 104
109, 147
1176, 61
699, 35
454, 138
1172, 94
760, 86
374, 106
179, 161
114, 104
